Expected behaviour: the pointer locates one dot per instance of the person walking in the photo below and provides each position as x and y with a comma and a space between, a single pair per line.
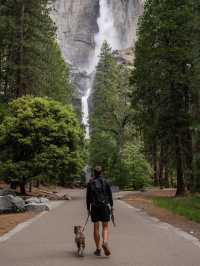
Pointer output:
100, 207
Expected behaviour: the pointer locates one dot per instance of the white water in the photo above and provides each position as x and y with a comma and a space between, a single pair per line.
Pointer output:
85, 111
107, 32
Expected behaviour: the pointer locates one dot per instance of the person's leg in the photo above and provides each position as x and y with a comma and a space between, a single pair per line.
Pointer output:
97, 238
105, 235
105, 232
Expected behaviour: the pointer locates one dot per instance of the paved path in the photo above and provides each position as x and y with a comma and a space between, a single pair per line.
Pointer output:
138, 240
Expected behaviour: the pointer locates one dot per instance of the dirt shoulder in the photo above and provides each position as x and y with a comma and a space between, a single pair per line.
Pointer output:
144, 202
9, 221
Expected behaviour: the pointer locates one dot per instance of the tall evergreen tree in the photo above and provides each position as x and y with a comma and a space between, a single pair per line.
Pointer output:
163, 93
112, 128
30, 60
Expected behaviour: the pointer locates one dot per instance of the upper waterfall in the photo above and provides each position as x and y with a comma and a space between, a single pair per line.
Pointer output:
106, 32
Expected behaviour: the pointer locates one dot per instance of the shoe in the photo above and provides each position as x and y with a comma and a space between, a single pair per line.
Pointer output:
97, 252
106, 249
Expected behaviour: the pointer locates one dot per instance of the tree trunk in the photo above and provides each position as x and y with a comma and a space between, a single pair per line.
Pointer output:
161, 167
13, 184
30, 186
23, 188
37, 183
155, 164
166, 177
189, 160
179, 168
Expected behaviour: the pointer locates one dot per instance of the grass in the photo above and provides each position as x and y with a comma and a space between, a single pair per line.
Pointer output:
188, 207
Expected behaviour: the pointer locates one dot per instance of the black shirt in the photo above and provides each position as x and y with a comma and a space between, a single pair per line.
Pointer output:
89, 195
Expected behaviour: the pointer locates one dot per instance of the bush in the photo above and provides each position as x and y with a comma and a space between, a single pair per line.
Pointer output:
40, 139
135, 168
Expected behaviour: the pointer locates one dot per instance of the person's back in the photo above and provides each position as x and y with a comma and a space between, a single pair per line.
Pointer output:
99, 205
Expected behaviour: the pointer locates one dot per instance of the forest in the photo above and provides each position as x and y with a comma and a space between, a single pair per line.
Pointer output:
144, 117
100, 132
147, 114
41, 138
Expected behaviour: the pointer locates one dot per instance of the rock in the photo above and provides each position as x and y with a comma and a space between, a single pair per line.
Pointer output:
5, 204
76, 26
36, 207
19, 203
125, 15
33, 200
66, 197
124, 56
9, 203
6, 191
37, 200
44, 200
59, 197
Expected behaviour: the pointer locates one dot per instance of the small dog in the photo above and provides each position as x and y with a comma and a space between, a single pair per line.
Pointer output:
79, 240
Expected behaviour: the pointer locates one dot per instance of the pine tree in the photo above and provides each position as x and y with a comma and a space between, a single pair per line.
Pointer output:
163, 87
30, 60
111, 113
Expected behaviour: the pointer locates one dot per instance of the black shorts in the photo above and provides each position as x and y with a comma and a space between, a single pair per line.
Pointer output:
100, 214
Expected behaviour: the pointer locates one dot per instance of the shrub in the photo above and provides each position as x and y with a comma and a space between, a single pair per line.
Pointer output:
40, 139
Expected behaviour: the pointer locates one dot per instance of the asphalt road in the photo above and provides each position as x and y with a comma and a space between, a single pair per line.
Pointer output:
138, 240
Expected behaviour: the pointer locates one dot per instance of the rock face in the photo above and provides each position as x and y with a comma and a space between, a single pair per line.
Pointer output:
126, 14
125, 56
77, 24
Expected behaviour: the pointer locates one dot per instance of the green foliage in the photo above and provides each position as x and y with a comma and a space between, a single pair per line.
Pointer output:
163, 89
112, 127
40, 139
187, 207
135, 167
3, 108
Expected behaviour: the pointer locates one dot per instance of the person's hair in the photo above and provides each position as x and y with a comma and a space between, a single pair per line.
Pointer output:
97, 171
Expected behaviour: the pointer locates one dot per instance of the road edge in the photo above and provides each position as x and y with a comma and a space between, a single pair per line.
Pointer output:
163, 225
18, 228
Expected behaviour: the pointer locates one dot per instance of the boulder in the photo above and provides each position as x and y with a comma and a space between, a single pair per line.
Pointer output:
5, 204
37, 200
9, 203
6, 191
59, 197
33, 200
36, 207
44, 200
17, 202
66, 197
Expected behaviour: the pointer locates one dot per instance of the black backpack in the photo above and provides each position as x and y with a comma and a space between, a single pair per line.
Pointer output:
99, 193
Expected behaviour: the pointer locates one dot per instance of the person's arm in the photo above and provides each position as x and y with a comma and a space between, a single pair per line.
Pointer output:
110, 197
88, 197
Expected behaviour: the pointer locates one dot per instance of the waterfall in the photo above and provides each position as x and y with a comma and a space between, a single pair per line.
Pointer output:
107, 32
85, 111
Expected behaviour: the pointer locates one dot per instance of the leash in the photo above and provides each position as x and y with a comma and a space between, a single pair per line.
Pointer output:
86, 223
